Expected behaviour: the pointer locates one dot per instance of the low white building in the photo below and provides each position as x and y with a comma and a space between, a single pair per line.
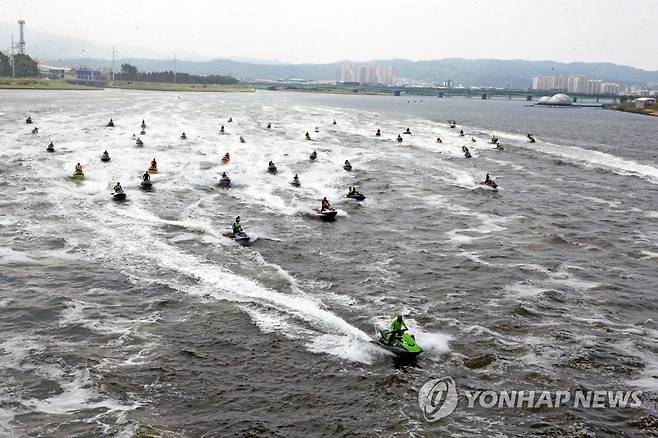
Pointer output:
643, 102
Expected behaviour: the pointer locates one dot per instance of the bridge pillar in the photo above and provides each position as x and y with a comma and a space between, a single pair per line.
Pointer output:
528, 98
484, 96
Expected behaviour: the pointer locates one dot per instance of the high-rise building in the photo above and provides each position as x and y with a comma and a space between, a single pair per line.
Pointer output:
365, 73
577, 84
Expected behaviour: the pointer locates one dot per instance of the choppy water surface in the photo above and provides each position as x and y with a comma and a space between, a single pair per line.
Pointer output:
138, 318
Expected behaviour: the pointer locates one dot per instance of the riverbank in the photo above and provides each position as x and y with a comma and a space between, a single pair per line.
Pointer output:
40, 84
162, 86
630, 108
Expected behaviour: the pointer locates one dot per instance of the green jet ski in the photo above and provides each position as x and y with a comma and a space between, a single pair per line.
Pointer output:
403, 346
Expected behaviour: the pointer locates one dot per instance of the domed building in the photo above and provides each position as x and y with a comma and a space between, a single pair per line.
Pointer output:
560, 100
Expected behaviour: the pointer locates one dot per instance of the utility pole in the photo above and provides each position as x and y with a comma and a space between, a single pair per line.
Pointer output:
175, 67
114, 53
13, 62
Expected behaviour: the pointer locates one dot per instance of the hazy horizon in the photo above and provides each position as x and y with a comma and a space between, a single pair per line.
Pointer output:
296, 33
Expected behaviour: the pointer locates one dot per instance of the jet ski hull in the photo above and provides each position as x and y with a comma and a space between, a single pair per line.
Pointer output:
78, 176
272, 170
358, 197
226, 183
348, 168
152, 170
325, 214
295, 184
241, 238
485, 186
147, 184
119, 196
105, 160
405, 346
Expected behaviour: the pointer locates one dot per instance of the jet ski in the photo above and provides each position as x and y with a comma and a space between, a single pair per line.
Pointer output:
183, 136
271, 168
467, 154
494, 140
242, 140
399, 138
152, 169
143, 125
531, 138
378, 133
28, 121
78, 176
334, 123
491, 185
313, 156
327, 213
356, 195
225, 159
461, 132
296, 183
317, 130
240, 237
230, 119
225, 182
407, 132
110, 124
307, 136
35, 130
142, 132
347, 166
221, 130
120, 196
147, 184
50, 148
139, 143
105, 157
403, 346
269, 126
499, 147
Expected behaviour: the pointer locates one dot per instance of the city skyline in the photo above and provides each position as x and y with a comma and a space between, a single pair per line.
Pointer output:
290, 33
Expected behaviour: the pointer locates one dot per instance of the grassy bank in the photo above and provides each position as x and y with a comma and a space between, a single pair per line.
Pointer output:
161, 86
629, 107
40, 84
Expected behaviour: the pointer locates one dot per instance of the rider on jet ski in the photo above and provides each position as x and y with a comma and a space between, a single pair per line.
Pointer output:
237, 228
325, 204
146, 176
396, 329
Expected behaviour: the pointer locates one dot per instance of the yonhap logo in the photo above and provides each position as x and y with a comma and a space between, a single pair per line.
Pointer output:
438, 398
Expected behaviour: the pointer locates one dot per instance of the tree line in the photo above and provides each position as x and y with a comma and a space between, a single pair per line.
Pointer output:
24, 66
130, 73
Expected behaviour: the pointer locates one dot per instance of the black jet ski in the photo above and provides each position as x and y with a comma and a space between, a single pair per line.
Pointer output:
399, 139
327, 213
347, 166
142, 132
467, 154
147, 184
50, 148
491, 185
461, 132
35, 130
403, 346
356, 195
183, 136
316, 130
242, 140
313, 156
230, 119
531, 138
271, 168
295, 182
240, 237
143, 125
307, 136
225, 182
269, 126
105, 157
120, 196
28, 121
139, 142
110, 124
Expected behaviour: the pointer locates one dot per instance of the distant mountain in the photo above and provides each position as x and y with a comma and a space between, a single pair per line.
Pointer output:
468, 72
64, 50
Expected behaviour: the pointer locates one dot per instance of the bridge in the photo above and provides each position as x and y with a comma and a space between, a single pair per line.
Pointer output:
479, 93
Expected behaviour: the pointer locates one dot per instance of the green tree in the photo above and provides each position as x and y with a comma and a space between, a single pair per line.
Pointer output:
25, 66
128, 72
5, 65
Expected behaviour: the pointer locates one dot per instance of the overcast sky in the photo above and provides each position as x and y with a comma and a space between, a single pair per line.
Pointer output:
618, 31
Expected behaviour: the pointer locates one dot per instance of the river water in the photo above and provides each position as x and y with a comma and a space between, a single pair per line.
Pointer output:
138, 318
